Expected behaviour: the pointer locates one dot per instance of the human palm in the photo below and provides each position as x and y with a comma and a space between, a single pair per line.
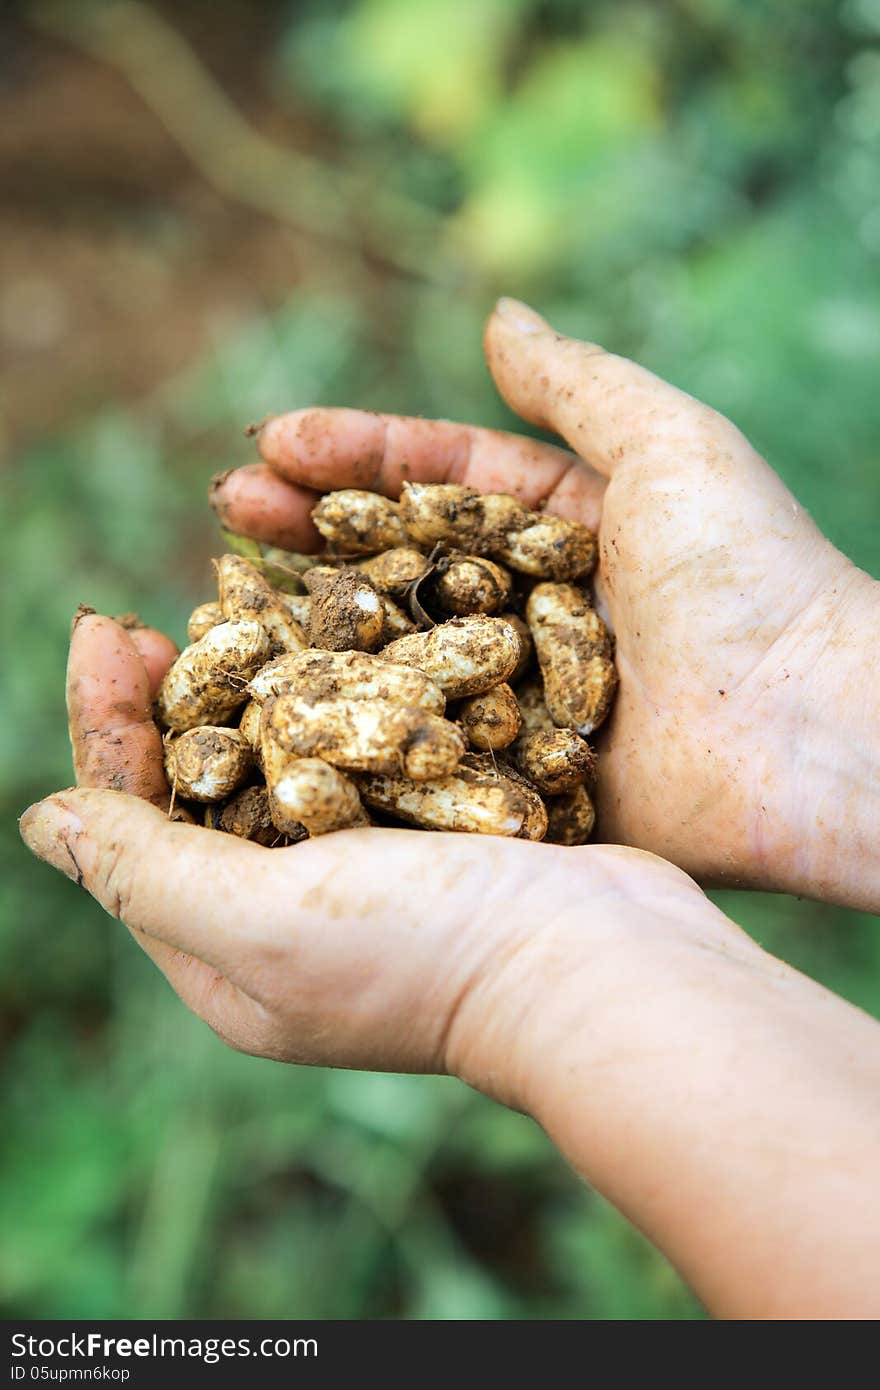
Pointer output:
721, 592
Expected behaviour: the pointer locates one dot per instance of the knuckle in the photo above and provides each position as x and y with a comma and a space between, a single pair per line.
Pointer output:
562, 486
113, 884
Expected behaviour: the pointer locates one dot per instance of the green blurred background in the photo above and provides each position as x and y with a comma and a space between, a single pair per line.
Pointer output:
211, 212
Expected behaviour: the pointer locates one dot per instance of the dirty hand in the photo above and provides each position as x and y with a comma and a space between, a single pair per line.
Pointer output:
688, 1075
331, 951
744, 741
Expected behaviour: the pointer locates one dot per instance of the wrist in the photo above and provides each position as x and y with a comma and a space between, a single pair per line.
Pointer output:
586, 937
724, 1104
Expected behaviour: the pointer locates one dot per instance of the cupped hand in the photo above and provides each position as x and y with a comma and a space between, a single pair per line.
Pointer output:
382, 949
690, 1077
739, 627
397, 949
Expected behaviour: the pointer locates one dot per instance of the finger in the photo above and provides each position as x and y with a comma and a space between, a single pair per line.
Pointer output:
109, 702
607, 408
324, 449
254, 501
233, 1015
156, 651
179, 883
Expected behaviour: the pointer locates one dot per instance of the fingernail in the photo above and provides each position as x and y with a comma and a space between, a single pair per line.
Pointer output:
272, 435
50, 832
215, 488
82, 611
131, 622
218, 480
250, 431
520, 316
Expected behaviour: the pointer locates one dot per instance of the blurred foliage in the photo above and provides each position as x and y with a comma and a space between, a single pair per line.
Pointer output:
693, 183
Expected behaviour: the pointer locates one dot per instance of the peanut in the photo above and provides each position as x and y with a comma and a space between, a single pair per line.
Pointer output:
323, 675
570, 817
308, 793
354, 522
465, 656
554, 760
495, 524
364, 735
394, 571
207, 764
346, 613
527, 646
491, 720
202, 619
207, 683
574, 654
249, 725
248, 815
472, 584
472, 800
244, 593
340, 692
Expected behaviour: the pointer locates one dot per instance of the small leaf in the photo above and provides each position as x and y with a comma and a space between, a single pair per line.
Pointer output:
241, 545
282, 568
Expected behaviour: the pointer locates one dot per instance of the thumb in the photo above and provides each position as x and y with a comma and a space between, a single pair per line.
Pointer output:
610, 410
174, 882
344, 957
172, 885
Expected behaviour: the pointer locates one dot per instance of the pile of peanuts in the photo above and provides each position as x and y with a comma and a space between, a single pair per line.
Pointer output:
437, 666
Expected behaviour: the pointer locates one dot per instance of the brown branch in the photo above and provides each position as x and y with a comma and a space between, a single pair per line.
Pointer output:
239, 161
